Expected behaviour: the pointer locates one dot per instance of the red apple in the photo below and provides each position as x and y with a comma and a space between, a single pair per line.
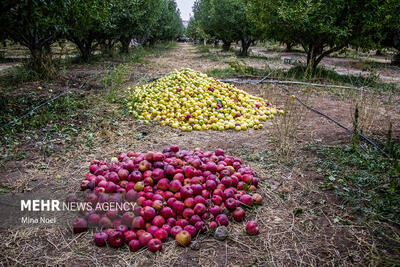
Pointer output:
222, 219
122, 228
211, 185
175, 186
145, 238
231, 204
178, 207
171, 221
152, 229
123, 174
79, 225
217, 200
252, 228
174, 148
131, 196
93, 219
154, 245
149, 213
100, 239
105, 222
182, 222
187, 213
167, 212
127, 218
134, 245
238, 214
158, 221
135, 176
212, 225
179, 176
200, 209
175, 230
246, 200
189, 202
161, 234
200, 226
215, 210
129, 235
115, 239
191, 229
138, 222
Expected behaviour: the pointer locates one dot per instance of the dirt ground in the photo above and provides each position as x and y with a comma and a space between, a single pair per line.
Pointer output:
286, 238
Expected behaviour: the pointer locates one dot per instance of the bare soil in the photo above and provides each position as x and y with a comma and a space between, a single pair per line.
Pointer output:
287, 238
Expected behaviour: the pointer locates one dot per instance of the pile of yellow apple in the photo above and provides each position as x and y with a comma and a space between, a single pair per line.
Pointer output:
190, 100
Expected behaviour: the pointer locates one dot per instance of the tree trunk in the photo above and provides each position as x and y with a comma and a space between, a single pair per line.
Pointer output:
315, 53
289, 47
85, 48
244, 51
226, 45
125, 45
41, 61
396, 59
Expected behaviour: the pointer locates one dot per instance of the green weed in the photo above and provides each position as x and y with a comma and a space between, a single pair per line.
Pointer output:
367, 182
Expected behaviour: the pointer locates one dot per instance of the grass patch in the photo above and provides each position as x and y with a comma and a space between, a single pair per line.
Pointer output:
221, 73
237, 67
59, 120
203, 49
368, 183
274, 59
15, 76
113, 80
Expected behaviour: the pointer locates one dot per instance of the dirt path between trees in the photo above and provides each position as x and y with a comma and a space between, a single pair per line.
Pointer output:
297, 219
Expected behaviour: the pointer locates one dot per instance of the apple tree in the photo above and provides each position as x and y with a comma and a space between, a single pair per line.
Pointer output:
35, 24
86, 23
195, 32
227, 20
168, 25
391, 27
320, 27
133, 19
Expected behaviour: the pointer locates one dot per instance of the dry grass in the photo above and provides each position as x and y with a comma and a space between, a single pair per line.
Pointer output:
297, 219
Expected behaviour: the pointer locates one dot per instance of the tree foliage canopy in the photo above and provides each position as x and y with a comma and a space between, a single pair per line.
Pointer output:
321, 27
226, 20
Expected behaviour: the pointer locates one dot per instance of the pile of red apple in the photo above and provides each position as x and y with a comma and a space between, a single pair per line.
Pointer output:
176, 193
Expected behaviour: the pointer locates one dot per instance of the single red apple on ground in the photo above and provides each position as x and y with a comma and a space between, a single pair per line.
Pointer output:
252, 228
79, 225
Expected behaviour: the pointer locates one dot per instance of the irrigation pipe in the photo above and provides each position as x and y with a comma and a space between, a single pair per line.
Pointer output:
338, 123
